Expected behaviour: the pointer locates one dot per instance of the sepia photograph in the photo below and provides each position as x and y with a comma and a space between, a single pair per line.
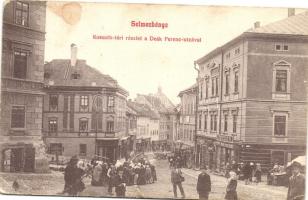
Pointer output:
148, 100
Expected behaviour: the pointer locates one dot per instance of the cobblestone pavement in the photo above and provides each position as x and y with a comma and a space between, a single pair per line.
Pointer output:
52, 184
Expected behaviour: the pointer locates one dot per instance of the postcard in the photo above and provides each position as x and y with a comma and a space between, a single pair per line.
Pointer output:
163, 101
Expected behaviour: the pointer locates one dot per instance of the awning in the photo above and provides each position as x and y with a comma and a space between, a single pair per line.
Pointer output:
124, 138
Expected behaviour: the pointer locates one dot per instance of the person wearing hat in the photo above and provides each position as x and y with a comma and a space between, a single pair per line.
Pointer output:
73, 177
296, 190
204, 185
119, 183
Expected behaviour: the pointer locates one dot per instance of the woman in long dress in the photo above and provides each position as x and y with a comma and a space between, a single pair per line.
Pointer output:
231, 193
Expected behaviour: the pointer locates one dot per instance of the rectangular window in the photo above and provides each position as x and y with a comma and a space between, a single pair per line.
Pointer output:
234, 123
21, 13
200, 121
285, 47
207, 89
280, 125
205, 122
227, 84
53, 102
84, 101
278, 47
83, 125
225, 123
228, 55
212, 121
236, 82
82, 149
201, 96
281, 80
213, 87
110, 104
110, 126
52, 126
55, 148
18, 117
215, 122
216, 86
20, 64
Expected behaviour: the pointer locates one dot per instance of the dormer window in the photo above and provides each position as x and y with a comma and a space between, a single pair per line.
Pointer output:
75, 75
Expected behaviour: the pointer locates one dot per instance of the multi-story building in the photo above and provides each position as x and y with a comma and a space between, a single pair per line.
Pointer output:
147, 126
186, 127
185, 135
22, 76
160, 104
252, 96
84, 111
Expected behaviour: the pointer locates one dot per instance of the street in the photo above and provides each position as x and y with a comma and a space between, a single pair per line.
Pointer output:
52, 184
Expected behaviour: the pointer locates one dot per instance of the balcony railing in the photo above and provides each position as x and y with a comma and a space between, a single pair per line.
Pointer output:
21, 85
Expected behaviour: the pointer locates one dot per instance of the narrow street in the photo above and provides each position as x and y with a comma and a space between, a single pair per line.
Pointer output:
52, 184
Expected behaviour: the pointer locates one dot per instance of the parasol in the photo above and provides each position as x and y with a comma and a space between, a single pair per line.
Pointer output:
300, 160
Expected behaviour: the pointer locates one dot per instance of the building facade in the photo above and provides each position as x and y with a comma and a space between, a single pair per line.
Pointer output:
252, 96
84, 111
22, 76
164, 108
147, 126
186, 127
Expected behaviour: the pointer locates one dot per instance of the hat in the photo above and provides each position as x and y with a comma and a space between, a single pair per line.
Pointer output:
74, 158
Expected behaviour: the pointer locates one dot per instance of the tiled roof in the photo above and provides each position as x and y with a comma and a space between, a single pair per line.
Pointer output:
295, 25
158, 105
189, 89
60, 72
142, 110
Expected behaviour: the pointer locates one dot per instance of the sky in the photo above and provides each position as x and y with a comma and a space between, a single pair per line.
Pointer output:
142, 66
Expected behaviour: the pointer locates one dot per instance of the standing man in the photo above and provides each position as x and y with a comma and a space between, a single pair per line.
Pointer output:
204, 185
176, 179
296, 189
111, 176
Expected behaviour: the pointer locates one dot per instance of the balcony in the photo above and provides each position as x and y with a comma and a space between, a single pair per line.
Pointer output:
10, 84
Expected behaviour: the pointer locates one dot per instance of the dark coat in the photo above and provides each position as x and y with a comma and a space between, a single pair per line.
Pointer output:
73, 180
296, 187
203, 184
176, 176
120, 188
231, 193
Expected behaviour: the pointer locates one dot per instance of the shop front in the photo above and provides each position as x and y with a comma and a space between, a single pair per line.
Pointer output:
108, 149
205, 153
18, 158
227, 150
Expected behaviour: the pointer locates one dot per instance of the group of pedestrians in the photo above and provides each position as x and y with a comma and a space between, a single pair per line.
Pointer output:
249, 172
203, 184
107, 174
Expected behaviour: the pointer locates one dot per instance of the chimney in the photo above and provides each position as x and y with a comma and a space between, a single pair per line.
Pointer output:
257, 24
291, 12
73, 54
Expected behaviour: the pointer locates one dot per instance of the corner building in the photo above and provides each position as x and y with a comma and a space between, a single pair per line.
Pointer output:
84, 111
252, 96
22, 75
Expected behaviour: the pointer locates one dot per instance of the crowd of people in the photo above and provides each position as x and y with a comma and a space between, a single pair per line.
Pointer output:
113, 175
142, 172
250, 172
